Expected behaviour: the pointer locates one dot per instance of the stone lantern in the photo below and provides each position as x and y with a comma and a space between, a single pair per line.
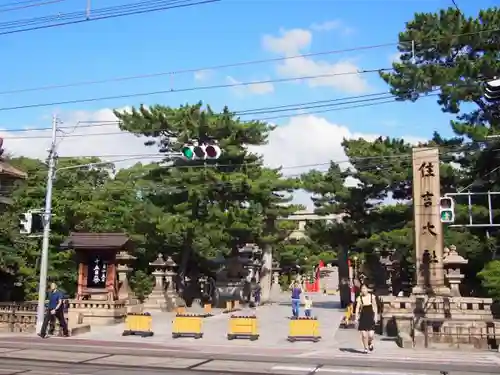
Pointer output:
156, 299
275, 286
452, 262
170, 295
386, 261
123, 269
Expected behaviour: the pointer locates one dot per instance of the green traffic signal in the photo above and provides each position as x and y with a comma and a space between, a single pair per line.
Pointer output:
187, 152
446, 216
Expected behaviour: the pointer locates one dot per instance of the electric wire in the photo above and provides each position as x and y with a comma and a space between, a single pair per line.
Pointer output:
59, 20
230, 65
101, 134
36, 4
244, 112
188, 89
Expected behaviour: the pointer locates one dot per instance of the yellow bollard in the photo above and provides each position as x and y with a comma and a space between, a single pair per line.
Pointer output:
187, 325
304, 329
244, 327
139, 325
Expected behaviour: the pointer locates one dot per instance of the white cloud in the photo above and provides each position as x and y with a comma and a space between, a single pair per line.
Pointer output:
294, 42
103, 139
310, 142
255, 88
337, 25
288, 42
304, 143
203, 75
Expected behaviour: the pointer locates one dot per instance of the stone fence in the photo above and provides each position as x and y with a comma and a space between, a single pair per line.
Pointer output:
18, 317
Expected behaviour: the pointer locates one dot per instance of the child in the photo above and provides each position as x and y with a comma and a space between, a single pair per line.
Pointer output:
308, 306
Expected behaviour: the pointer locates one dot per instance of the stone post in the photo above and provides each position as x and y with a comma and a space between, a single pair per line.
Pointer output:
452, 263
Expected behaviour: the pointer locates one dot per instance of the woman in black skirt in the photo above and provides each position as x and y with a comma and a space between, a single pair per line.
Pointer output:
366, 317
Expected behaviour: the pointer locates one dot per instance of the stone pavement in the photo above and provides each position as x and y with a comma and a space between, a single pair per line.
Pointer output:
272, 320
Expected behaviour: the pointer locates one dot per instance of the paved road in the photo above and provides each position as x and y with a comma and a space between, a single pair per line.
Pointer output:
17, 367
407, 362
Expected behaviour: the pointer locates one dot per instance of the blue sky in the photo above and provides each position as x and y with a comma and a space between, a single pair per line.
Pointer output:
208, 35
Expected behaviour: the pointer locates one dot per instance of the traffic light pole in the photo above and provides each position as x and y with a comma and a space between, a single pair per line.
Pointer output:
42, 289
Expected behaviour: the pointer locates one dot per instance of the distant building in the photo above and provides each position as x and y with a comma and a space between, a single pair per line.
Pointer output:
8, 177
302, 217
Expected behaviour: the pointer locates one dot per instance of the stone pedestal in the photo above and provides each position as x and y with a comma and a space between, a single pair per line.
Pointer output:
95, 313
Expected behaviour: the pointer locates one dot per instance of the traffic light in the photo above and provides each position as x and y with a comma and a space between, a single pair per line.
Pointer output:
201, 152
492, 91
37, 222
25, 223
447, 209
31, 222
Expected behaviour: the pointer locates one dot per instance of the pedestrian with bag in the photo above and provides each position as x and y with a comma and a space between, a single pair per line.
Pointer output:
366, 317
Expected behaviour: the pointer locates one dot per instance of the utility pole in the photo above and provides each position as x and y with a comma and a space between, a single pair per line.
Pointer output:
47, 215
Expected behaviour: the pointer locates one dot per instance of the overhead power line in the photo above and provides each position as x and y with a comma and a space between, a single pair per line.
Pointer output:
26, 4
244, 112
218, 67
72, 18
187, 89
332, 108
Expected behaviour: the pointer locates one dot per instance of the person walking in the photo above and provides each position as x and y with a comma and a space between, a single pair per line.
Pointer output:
366, 317
296, 294
55, 311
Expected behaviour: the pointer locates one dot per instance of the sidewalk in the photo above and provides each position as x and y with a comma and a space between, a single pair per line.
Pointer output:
273, 321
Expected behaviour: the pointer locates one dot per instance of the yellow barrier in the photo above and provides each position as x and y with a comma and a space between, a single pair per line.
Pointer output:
304, 329
243, 327
187, 325
138, 324
348, 319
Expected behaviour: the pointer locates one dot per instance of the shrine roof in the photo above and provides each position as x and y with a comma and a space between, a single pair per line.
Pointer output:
90, 241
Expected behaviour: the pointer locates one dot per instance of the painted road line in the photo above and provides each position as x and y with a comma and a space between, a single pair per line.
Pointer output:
341, 370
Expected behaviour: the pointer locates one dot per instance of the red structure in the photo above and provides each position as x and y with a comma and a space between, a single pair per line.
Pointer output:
96, 257
314, 286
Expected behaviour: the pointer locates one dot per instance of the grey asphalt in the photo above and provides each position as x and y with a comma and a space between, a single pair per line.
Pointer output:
17, 367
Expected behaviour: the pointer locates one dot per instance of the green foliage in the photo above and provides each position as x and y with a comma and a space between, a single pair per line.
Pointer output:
210, 207
142, 284
490, 277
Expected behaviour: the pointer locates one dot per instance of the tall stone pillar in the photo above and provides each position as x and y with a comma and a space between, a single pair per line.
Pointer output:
427, 222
